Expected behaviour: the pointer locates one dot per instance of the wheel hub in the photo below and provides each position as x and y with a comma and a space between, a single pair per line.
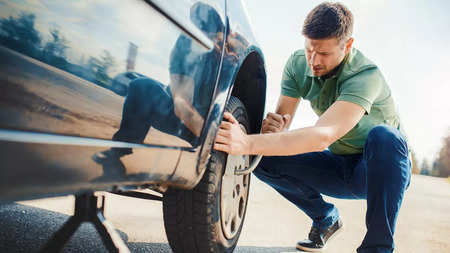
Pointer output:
234, 194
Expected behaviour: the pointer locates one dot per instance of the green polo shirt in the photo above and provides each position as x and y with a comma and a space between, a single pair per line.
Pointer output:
357, 80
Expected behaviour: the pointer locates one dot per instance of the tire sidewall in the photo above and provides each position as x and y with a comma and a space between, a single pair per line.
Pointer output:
225, 244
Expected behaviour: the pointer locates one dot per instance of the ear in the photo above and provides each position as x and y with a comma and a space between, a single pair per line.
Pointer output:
348, 45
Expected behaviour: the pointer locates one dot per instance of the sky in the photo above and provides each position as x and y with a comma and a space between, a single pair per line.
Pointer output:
408, 40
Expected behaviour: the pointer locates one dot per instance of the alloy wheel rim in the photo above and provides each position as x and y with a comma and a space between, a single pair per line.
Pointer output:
234, 194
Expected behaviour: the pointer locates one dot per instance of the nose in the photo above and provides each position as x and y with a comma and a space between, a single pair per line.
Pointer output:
313, 59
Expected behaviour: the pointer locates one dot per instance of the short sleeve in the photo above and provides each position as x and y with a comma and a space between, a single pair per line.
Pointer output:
289, 86
363, 88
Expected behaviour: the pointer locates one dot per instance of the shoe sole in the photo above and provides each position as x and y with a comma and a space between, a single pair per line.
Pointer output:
299, 247
309, 249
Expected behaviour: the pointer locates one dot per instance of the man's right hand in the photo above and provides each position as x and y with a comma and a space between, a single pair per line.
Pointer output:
274, 123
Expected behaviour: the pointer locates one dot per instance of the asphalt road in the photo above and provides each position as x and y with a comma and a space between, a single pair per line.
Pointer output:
272, 224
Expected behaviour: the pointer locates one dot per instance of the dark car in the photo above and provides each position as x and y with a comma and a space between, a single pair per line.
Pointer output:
64, 131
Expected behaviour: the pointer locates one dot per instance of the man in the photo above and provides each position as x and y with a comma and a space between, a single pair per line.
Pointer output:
355, 150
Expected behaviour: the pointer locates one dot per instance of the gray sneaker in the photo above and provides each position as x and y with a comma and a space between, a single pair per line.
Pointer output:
318, 238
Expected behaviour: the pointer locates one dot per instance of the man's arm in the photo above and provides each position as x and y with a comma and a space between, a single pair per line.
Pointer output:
287, 105
182, 88
340, 118
188, 115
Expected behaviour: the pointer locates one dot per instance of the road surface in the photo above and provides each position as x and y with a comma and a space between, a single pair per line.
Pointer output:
272, 224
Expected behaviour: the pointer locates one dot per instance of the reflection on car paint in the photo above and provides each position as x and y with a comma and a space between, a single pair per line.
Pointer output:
92, 69
177, 109
61, 76
121, 82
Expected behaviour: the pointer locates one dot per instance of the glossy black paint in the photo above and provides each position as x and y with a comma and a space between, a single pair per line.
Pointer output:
97, 94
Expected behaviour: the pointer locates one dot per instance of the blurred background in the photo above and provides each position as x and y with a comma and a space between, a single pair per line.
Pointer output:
408, 40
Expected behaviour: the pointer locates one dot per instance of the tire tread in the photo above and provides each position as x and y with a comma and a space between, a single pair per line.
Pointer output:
189, 218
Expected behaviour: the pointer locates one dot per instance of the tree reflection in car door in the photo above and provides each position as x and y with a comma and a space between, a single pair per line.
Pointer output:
177, 109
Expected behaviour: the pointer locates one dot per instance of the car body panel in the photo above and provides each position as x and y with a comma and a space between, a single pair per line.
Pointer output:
239, 47
41, 165
53, 76
59, 107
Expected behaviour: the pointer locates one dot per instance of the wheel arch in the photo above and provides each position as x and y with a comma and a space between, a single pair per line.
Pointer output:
250, 85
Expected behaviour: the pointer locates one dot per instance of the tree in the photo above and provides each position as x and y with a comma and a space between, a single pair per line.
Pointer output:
415, 168
19, 34
102, 67
54, 52
435, 169
425, 168
57, 46
443, 160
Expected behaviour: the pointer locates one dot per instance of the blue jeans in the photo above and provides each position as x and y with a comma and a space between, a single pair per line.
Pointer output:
149, 104
381, 174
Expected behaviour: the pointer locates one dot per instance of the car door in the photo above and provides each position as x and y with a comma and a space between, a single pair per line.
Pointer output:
61, 63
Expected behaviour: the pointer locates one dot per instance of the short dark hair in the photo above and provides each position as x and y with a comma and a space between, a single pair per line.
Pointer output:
329, 20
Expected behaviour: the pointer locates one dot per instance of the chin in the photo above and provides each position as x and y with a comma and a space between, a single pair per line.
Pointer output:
320, 73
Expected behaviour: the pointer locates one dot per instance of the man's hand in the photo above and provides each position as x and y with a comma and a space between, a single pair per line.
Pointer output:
274, 123
230, 138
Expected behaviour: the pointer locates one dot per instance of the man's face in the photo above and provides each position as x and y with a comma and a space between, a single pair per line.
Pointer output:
326, 54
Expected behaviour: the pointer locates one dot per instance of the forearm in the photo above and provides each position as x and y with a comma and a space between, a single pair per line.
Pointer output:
193, 121
303, 140
188, 115
337, 120
182, 86
287, 105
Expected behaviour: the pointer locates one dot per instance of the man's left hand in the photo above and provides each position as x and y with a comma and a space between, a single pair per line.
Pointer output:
230, 138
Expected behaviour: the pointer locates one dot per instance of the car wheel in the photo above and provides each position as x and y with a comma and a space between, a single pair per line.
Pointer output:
209, 218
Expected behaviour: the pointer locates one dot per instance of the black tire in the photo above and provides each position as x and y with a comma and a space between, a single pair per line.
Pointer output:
192, 218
